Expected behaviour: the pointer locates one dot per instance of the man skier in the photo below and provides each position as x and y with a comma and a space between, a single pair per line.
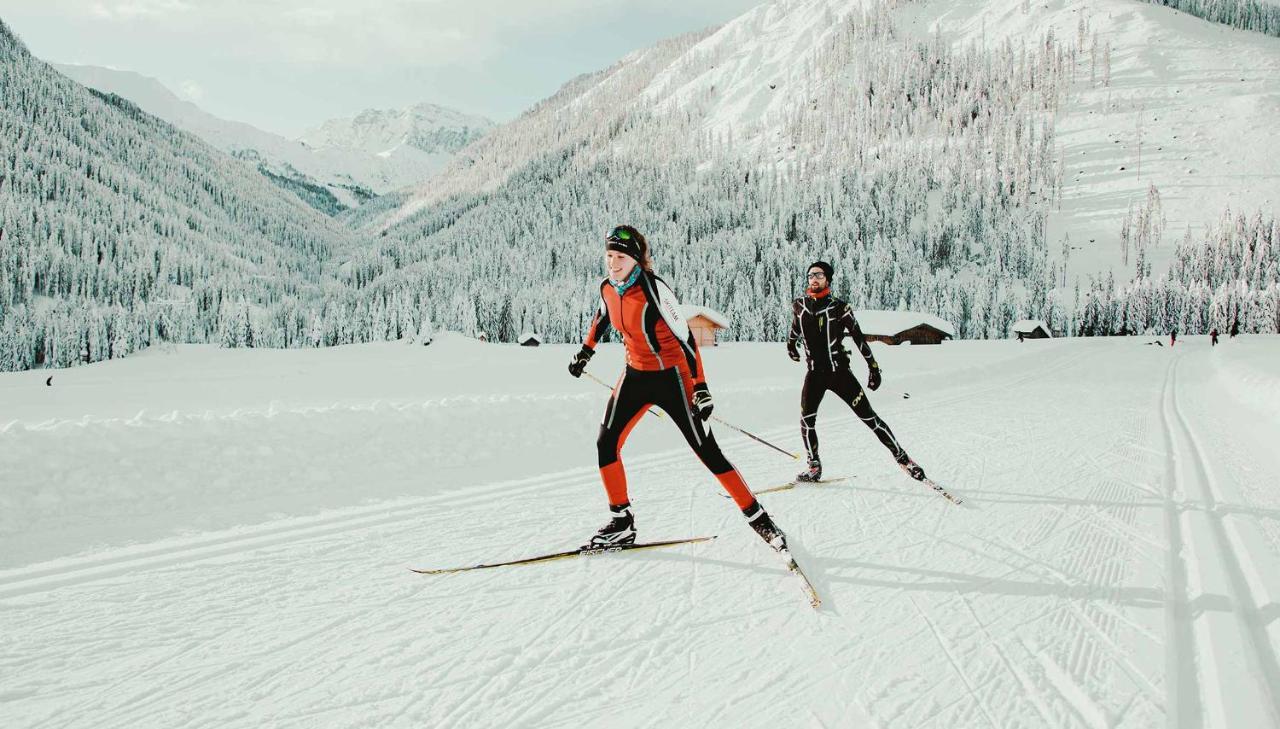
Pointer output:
822, 321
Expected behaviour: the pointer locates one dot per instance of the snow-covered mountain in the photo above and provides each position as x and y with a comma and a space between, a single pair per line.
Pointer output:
953, 157
1146, 80
329, 171
120, 230
425, 128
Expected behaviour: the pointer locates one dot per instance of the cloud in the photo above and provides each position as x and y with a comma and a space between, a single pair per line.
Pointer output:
344, 33
283, 63
125, 9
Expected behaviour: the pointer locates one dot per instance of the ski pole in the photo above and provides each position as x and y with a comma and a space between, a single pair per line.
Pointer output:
756, 438
606, 386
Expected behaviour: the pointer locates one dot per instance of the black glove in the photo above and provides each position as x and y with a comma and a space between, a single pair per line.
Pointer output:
793, 353
580, 361
873, 376
702, 404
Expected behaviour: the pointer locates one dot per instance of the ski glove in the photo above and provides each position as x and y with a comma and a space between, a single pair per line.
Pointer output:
873, 376
793, 353
702, 404
580, 361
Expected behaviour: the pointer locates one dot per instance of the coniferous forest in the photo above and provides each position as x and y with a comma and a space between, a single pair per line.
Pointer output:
924, 173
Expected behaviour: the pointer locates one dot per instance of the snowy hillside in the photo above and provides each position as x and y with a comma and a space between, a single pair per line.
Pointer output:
1146, 94
222, 537
1162, 98
947, 157
120, 230
329, 170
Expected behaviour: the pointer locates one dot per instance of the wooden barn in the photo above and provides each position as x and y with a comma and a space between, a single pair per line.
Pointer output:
530, 339
903, 327
704, 322
1030, 329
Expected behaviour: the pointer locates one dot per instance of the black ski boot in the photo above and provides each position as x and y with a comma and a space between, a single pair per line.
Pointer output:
813, 475
759, 520
620, 530
911, 468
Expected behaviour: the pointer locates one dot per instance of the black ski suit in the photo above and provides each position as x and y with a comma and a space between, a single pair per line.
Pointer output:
822, 323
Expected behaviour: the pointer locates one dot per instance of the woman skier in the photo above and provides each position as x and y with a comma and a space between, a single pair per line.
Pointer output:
822, 321
664, 369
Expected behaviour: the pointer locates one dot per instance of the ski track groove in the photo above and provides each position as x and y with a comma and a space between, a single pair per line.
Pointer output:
955, 665
74, 571
1245, 608
1096, 545
111, 685
1030, 691
581, 586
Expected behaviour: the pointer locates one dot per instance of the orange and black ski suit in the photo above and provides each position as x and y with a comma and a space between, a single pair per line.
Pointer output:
663, 368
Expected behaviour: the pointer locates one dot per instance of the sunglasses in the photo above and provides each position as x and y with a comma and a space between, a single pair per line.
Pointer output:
817, 274
619, 234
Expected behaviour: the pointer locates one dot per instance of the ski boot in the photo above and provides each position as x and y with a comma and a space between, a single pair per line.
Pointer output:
759, 520
813, 475
620, 530
910, 467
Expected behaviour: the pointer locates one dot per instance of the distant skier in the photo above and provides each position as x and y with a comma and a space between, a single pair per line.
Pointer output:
1173, 337
822, 321
664, 368
1213, 336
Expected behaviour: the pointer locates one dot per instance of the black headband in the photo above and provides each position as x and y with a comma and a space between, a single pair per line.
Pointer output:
629, 247
625, 239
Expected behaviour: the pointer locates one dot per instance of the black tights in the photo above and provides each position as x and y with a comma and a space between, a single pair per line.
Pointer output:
666, 389
846, 387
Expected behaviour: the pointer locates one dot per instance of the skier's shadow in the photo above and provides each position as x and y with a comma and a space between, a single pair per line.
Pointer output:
973, 497
824, 572
810, 566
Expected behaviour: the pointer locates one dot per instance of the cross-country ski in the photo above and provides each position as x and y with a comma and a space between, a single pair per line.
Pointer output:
567, 554
810, 592
794, 483
942, 491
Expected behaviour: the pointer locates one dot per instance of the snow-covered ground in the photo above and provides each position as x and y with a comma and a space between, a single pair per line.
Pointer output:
214, 537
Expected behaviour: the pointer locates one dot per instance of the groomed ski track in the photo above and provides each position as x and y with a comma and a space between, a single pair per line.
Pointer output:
1118, 569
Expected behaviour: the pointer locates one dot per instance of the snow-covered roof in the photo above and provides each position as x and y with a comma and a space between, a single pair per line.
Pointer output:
1026, 326
529, 335
889, 323
688, 311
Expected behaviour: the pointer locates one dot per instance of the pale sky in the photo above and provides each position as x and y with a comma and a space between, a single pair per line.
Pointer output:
286, 65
